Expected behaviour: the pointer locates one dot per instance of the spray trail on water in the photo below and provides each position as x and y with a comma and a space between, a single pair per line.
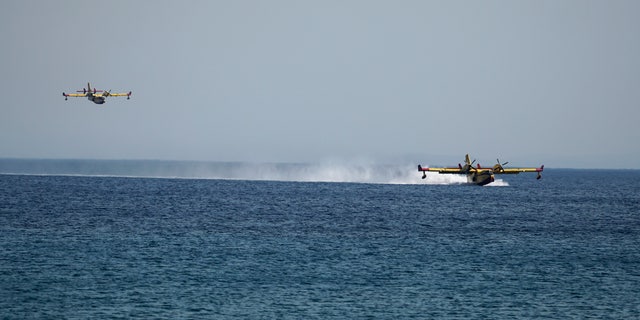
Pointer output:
341, 172
330, 171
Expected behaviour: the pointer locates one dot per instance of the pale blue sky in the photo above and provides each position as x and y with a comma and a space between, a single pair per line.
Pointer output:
553, 82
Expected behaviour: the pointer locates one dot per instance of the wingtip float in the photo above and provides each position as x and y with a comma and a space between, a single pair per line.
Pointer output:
477, 174
94, 95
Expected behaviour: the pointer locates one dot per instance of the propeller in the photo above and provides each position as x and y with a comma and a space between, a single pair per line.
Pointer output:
498, 167
470, 167
107, 93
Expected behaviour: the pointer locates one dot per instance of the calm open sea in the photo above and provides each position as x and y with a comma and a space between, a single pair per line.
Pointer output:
77, 247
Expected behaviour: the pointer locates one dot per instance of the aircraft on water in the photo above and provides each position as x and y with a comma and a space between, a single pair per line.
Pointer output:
97, 96
479, 175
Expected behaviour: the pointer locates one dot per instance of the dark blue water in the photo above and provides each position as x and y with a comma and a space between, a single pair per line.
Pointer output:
567, 246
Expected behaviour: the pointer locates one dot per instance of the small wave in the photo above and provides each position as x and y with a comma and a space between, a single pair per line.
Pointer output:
498, 183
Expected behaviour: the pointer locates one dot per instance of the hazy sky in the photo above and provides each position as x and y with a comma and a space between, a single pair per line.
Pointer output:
553, 82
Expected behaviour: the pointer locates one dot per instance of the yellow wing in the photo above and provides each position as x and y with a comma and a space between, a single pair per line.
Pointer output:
451, 170
109, 94
74, 94
517, 170
498, 169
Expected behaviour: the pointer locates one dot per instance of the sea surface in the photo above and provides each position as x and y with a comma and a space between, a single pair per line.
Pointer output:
87, 245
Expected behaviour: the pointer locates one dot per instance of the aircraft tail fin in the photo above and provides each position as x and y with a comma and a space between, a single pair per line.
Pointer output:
94, 90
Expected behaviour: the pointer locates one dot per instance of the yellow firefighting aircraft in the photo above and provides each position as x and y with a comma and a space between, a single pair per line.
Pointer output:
479, 175
97, 96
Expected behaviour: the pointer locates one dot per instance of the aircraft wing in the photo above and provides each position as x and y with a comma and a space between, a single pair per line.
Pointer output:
517, 170
452, 170
109, 94
74, 94
120, 94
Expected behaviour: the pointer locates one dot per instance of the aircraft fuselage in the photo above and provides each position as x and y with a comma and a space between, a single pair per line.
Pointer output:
480, 178
95, 99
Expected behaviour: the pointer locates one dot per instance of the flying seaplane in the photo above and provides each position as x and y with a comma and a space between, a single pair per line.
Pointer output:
97, 96
479, 175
